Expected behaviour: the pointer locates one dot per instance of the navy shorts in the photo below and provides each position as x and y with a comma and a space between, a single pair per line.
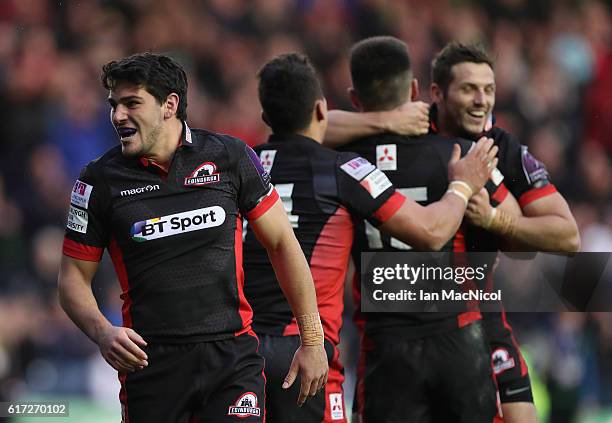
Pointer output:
441, 378
213, 382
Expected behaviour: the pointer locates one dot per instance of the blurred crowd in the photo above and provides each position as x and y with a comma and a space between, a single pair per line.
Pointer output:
554, 78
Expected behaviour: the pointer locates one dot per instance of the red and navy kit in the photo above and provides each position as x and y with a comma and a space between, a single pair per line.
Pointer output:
175, 239
528, 180
396, 346
322, 191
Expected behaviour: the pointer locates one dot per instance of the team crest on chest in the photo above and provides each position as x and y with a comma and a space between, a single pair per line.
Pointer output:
204, 174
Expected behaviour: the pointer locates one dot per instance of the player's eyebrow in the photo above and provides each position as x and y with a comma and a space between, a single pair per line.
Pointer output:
125, 99
476, 85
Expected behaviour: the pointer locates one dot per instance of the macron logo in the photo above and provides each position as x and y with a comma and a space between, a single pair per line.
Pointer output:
139, 190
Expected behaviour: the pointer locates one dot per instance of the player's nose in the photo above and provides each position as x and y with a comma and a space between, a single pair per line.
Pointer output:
119, 115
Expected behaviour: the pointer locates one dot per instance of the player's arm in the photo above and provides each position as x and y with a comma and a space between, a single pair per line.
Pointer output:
430, 227
411, 118
274, 232
546, 224
119, 346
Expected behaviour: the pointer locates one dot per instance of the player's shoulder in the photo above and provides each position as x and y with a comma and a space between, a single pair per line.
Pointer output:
97, 167
217, 144
203, 137
501, 136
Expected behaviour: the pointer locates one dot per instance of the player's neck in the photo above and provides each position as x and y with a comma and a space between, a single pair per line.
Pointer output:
314, 131
445, 125
167, 143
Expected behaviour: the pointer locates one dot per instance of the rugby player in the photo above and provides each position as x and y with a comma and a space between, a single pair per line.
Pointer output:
463, 91
167, 203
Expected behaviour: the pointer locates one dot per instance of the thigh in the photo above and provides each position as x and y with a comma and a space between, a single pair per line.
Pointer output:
164, 391
235, 385
394, 381
281, 404
464, 389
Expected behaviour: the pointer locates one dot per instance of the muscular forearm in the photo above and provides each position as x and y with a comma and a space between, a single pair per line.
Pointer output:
426, 228
78, 302
294, 276
345, 127
547, 233
444, 218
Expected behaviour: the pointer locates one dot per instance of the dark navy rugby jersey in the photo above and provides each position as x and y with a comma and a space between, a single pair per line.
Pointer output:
321, 189
175, 239
528, 180
418, 168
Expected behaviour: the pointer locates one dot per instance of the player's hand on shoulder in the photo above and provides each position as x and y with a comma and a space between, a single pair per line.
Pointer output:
411, 118
310, 362
476, 166
121, 348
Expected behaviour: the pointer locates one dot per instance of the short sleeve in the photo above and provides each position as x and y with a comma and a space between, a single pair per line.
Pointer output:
256, 194
87, 229
365, 190
525, 176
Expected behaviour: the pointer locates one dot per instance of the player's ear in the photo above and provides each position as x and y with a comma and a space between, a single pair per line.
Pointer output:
320, 110
355, 99
171, 105
436, 92
265, 118
414, 89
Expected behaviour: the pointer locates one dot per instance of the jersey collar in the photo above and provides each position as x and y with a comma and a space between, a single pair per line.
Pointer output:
276, 138
186, 140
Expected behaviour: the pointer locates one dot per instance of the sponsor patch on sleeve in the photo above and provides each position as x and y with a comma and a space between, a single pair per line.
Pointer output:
265, 176
358, 168
80, 194
77, 220
534, 170
376, 183
267, 159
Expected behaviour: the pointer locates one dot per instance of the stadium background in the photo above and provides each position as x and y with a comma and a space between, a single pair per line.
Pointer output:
554, 78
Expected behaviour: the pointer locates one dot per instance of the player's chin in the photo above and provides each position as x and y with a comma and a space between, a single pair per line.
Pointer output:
473, 127
130, 149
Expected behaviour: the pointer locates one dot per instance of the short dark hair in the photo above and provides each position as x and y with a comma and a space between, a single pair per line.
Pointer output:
452, 54
160, 75
381, 72
288, 90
